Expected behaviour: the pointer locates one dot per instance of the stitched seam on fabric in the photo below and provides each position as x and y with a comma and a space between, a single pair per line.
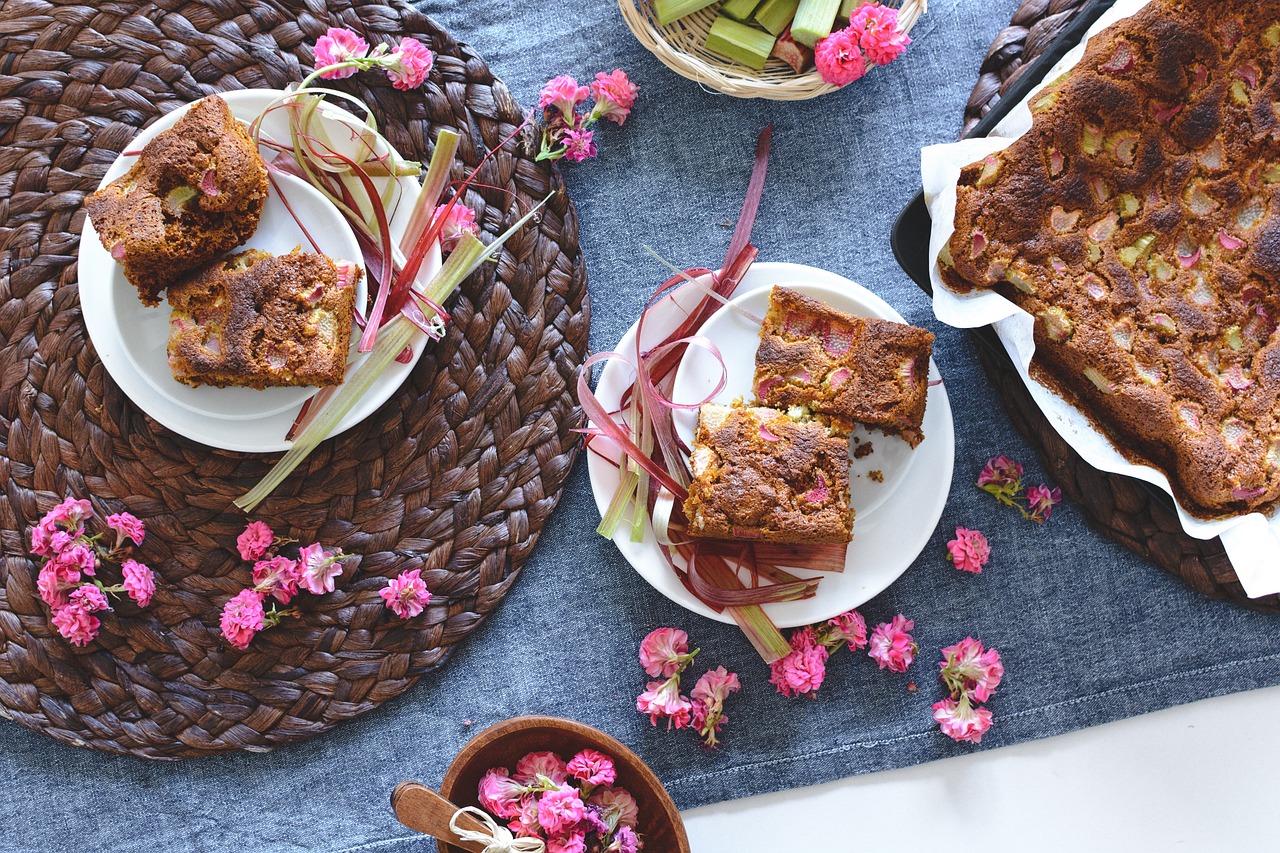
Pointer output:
372, 844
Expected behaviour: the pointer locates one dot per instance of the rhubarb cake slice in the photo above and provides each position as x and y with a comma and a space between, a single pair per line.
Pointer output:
761, 474
846, 369
258, 320
195, 191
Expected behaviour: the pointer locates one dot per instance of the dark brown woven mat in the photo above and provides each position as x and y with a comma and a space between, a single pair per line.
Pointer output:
455, 475
1129, 511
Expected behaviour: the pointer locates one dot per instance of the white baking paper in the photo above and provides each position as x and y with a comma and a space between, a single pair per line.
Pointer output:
1252, 541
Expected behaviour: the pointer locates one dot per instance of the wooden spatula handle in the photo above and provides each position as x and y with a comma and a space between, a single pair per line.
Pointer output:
422, 809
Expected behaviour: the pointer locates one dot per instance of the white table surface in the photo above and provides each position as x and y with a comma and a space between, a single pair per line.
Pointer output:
1199, 777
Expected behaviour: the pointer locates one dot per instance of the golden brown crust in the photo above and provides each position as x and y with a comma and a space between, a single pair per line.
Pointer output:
195, 191
1139, 222
848, 369
256, 320
758, 474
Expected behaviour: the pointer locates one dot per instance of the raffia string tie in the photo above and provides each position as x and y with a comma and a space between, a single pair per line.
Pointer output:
495, 838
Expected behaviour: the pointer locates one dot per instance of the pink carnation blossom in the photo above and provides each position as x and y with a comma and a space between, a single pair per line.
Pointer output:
526, 823
459, 220
126, 525
969, 670
961, 721
336, 46
891, 644
79, 557
318, 568
139, 582
406, 594
61, 540
664, 652
1001, 472
254, 541
708, 696
625, 840
574, 842
409, 64
76, 622
578, 145
838, 58
54, 583
614, 95
878, 32
849, 627
71, 513
559, 811
42, 537
500, 794
969, 550
1041, 500
802, 671
663, 700
592, 767
277, 577
242, 617
536, 764
563, 94
90, 597
617, 805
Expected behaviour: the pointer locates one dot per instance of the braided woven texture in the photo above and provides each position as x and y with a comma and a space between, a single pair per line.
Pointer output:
1129, 511
455, 475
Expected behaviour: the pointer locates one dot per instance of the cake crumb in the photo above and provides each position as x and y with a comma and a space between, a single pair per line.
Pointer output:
862, 451
877, 476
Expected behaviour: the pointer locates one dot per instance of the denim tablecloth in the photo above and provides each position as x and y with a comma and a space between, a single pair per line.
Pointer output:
1088, 632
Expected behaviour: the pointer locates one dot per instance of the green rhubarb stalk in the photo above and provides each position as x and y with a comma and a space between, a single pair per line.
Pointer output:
739, 10
644, 435
432, 186
740, 42
754, 622
669, 11
847, 8
618, 505
813, 20
775, 15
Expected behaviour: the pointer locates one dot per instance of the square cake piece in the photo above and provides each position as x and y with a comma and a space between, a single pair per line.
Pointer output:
849, 370
258, 320
760, 474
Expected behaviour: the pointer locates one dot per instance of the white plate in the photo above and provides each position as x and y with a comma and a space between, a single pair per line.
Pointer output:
132, 339
894, 519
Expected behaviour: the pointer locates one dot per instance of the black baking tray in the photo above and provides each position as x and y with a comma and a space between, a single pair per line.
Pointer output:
910, 235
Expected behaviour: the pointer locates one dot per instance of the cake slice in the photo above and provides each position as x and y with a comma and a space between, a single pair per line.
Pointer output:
849, 370
258, 320
760, 474
195, 191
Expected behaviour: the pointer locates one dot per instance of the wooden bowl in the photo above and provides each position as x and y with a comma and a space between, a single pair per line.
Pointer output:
505, 743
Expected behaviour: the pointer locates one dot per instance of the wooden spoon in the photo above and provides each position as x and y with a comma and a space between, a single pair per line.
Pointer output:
422, 809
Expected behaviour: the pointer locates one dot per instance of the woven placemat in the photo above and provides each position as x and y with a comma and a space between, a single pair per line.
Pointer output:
1133, 513
455, 475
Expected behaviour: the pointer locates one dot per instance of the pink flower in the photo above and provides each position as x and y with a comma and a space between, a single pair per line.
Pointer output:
849, 627
625, 840
614, 95
838, 58
139, 582
500, 794
662, 700
42, 537
802, 671
879, 35
664, 652
79, 557
968, 670
892, 646
318, 568
459, 220
961, 721
618, 807
574, 842
333, 48
1001, 472
242, 617
277, 577
61, 540
564, 94
526, 824
1041, 500
709, 695
76, 622
255, 540
559, 811
969, 550
124, 525
406, 594
578, 145
536, 764
592, 767
409, 64
54, 583
90, 597
70, 513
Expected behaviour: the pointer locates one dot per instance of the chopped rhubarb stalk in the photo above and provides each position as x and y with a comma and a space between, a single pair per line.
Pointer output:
1045, 103
1124, 146
1121, 59
1199, 201
1211, 156
1233, 338
1122, 334
405, 356
1190, 260
1271, 174
1271, 38
1097, 186
790, 51
316, 294
979, 243
1057, 325
1249, 73
820, 492
1057, 163
766, 435
1094, 286
1273, 454
836, 342
745, 533
907, 371
180, 324
767, 385
1154, 199
1105, 385
797, 324
1165, 113
1200, 294
1236, 379
175, 201
1149, 375
1058, 264
1251, 293
1229, 242
117, 251
801, 375
1190, 417
1251, 214
838, 377
990, 171
1091, 139
1199, 76
1020, 281
1163, 325
346, 273
209, 183
214, 345
1235, 432
996, 270
1231, 33
1160, 268
1244, 493
1063, 221
276, 358
1104, 229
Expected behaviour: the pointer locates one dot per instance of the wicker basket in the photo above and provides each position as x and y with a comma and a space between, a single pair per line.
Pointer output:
679, 46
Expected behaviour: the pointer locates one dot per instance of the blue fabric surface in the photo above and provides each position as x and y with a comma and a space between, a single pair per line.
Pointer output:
1088, 632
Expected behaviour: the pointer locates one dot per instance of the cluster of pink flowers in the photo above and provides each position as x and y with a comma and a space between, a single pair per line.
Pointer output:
275, 577
802, 672
573, 806
406, 594
971, 674
1001, 477
969, 550
873, 35
340, 53
72, 556
665, 654
566, 129
458, 220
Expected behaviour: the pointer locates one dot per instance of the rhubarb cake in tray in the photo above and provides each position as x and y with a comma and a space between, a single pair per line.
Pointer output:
1137, 221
